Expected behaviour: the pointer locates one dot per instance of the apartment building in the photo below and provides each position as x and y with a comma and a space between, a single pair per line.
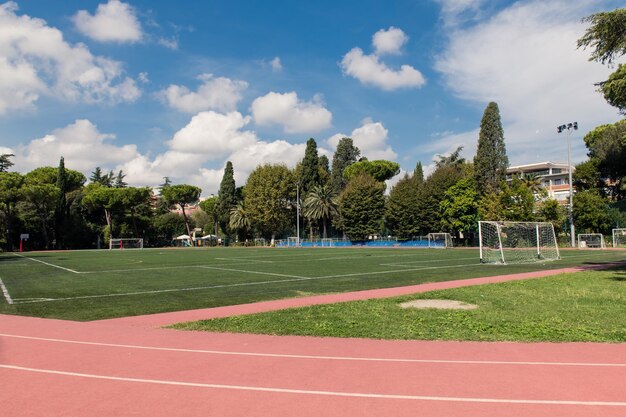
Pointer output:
554, 177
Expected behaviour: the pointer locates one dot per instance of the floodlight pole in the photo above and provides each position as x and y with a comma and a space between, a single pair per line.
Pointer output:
569, 127
298, 214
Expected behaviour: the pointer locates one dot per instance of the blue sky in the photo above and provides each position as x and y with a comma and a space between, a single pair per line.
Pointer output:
160, 88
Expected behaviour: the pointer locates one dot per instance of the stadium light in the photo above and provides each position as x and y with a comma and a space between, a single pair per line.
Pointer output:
560, 129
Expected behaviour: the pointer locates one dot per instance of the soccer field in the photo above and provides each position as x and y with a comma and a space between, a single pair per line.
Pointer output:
89, 285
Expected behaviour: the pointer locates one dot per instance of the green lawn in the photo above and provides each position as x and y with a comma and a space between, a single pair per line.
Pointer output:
579, 307
89, 285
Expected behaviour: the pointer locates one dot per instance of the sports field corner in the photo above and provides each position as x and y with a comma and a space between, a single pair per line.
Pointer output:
133, 366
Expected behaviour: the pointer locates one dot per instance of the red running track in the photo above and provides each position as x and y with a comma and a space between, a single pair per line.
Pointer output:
123, 368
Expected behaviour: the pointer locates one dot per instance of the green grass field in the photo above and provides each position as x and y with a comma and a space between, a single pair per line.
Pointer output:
89, 285
582, 307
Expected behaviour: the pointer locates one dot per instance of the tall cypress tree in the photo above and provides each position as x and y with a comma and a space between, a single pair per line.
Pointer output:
61, 203
490, 162
227, 197
418, 174
345, 155
310, 167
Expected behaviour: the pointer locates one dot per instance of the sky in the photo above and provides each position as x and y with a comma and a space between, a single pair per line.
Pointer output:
175, 89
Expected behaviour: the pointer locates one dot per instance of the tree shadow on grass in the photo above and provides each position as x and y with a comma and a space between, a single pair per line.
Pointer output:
619, 276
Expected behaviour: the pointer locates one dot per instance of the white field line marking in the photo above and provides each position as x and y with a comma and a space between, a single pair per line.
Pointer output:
242, 284
316, 357
244, 259
46, 263
5, 291
315, 392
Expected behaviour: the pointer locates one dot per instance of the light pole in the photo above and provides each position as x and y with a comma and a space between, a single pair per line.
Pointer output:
569, 127
298, 214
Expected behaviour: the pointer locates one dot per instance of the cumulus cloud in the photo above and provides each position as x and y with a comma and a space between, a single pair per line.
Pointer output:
371, 138
369, 70
35, 60
80, 143
114, 21
221, 94
389, 41
525, 58
294, 115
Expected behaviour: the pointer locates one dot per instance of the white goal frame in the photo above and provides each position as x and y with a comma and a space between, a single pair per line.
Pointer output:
440, 240
517, 242
126, 243
293, 241
591, 241
619, 238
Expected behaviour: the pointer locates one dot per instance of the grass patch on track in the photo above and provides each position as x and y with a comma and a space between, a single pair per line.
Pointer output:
580, 307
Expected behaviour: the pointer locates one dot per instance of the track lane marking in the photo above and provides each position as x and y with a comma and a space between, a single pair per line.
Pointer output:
316, 357
317, 392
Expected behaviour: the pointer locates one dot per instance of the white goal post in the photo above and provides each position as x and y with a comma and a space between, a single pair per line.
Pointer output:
591, 241
439, 240
293, 241
126, 243
516, 242
619, 238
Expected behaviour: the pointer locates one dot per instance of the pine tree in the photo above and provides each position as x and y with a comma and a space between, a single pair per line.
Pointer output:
227, 198
418, 173
490, 162
96, 176
310, 167
119, 180
5, 162
345, 155
61, 203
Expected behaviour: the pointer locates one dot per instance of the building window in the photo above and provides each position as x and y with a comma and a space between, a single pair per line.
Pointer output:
558, 181
556, 170
546, 183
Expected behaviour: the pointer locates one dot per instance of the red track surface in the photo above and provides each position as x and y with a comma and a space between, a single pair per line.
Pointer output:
126, 367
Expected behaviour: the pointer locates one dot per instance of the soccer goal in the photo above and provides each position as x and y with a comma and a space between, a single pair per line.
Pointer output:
619, 238
293, 241
439, 240
126, 243
516, 242
591, 241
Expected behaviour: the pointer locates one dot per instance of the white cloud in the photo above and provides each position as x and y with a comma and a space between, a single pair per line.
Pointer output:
457, 11
143, 77
213, 134
294, 115
371, 139
80, 143
370, 71
169, 43
389, 41
276, 65
525, 59
36, 61
221, 94
114, 21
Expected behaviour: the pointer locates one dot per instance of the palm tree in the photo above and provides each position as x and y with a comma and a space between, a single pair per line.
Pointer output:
239, 219
533, 182
320, 204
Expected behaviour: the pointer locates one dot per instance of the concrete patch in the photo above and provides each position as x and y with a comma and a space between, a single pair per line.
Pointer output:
441, 304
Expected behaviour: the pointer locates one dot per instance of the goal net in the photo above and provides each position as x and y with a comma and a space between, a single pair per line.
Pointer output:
439, 240
591, 241
619, 238
293, 241
516, 242
126, 243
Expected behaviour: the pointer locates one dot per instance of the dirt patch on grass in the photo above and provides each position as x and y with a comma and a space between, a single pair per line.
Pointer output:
441, 304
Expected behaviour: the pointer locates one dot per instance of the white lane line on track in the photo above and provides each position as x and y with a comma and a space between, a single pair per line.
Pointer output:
5, 291
315, 357
46, 263
316, 392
